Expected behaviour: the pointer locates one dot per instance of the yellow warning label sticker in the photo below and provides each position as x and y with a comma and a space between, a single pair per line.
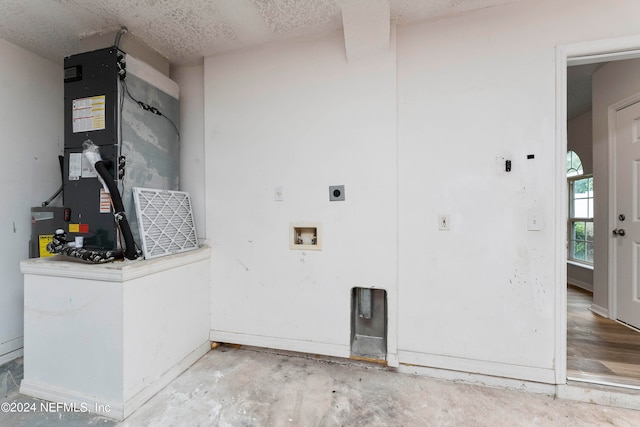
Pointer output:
79, 228
88, 114
43, 240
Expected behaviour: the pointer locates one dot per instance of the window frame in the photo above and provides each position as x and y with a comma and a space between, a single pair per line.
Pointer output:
574, 164
574, 220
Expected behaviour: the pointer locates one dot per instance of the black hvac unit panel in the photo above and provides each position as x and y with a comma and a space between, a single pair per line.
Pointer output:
98, 78
88, 216
91, 111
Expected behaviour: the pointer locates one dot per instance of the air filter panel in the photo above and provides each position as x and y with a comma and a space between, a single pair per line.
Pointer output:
165, 220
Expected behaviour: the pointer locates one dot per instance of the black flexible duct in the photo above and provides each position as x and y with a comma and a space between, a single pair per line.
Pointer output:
121, 218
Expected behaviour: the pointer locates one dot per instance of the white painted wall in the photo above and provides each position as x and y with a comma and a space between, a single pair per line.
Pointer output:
611, 83
580, 276
296, 115
470, 89
31, 120
468, 92
413, 133
580, 140
192, 160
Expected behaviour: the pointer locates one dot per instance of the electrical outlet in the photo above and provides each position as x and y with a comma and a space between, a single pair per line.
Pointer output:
444, 223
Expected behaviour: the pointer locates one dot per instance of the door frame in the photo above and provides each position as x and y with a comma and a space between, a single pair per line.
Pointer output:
611, 121
567, 55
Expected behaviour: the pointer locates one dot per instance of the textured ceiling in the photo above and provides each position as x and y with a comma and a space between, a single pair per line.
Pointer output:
184, 31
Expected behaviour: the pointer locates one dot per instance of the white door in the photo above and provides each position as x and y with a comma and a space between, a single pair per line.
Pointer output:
627, 215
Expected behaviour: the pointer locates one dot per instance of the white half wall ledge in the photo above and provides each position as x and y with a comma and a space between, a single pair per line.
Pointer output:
142, 332
367, 27
118, 271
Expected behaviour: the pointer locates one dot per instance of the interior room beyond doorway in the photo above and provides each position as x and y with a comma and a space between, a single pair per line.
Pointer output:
599, 350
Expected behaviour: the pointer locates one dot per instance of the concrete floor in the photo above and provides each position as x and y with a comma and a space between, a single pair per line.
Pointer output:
250, 387
26, 411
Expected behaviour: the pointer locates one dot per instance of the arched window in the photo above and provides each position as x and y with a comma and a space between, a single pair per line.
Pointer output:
574, 165
581, 204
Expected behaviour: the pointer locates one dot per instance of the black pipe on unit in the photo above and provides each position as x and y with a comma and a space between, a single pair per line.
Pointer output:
121, 218
59, 245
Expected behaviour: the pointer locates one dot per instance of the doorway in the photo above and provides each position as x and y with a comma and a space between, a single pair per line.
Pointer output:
599, 349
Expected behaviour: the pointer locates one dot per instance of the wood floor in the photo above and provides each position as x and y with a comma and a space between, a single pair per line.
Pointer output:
599, 349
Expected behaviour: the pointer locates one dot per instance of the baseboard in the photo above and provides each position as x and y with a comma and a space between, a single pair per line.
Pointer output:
108, 408
139, 399
600, 311
444, 367
8, 357
80, 402
299, 346
580, 284
460, 369
618, 397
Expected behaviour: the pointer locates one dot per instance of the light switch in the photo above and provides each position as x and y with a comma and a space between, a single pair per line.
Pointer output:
444, 223
278, 193
533, 222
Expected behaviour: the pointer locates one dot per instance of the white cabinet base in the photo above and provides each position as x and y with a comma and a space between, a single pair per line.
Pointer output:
105, 338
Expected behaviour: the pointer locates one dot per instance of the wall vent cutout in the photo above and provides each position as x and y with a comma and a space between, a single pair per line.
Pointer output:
166, 222
305, 236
